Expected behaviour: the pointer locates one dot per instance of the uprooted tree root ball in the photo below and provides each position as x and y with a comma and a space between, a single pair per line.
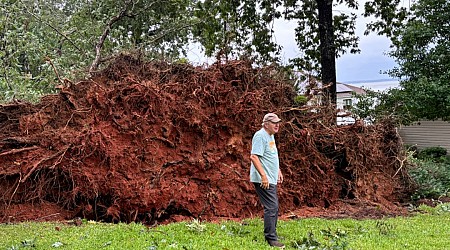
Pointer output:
158, 142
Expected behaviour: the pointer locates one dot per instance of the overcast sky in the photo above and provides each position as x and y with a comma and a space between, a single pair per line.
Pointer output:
368, 65
365, 67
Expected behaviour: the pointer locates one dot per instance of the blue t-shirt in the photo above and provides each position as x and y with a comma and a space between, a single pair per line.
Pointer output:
263, 145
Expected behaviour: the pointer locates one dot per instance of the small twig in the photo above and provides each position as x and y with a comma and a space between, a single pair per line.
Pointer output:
295, 109
401, 161
169, 143
60, 158
401, 165
35, 165
14, 151
67, 123
50, 215
15, 190
54, 69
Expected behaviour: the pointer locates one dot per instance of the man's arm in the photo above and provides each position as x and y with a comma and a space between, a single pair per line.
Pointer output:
257, 163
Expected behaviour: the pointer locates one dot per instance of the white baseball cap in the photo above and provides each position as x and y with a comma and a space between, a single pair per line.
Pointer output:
271, 117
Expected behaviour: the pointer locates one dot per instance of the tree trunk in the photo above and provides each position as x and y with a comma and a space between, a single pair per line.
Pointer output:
327, 50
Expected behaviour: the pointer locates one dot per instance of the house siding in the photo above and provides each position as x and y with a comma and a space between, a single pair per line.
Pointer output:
340, 107
427, 134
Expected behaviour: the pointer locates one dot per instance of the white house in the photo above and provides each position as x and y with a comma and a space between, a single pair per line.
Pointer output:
345, 92
345, 100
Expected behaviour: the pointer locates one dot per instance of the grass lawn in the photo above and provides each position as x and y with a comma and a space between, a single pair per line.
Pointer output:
428, 229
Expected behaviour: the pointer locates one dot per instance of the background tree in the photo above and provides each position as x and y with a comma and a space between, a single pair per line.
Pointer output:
322, 36
374, 106
246, 28
43, 40
238, 28
421, 47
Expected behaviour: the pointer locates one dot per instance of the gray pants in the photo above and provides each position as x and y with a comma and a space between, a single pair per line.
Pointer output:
269, 200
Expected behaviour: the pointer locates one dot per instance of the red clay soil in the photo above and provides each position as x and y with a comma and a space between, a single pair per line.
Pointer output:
159, 142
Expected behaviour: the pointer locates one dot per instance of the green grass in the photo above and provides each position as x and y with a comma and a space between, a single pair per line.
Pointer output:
425, 230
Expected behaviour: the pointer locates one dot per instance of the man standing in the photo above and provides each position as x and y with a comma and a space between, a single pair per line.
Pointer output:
265, 174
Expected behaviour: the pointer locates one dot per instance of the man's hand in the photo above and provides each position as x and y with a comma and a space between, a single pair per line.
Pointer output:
280, 177
264, 182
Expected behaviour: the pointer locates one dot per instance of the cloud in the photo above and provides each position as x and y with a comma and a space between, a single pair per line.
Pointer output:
370, 64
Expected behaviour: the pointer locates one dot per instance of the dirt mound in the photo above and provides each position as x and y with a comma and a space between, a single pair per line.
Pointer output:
153, 141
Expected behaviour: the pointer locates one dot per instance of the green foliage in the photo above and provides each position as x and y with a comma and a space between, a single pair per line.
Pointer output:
196, 226
389, 18
421, 48
308, 242
45, 41
234, 29
333, 240
376, 106
24, 72
384, 228
300, 100
440, 208
366, 105
432, 178
432, 153
424, 97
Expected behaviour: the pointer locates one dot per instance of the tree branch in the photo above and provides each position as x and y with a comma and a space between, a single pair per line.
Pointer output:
168, 31
102, 38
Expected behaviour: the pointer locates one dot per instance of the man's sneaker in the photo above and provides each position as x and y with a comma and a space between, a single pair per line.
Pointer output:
275, 243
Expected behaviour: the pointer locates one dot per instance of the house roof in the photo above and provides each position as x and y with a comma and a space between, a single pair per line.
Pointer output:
342, 88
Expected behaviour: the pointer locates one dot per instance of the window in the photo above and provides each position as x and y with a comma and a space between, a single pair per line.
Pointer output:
347, 104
